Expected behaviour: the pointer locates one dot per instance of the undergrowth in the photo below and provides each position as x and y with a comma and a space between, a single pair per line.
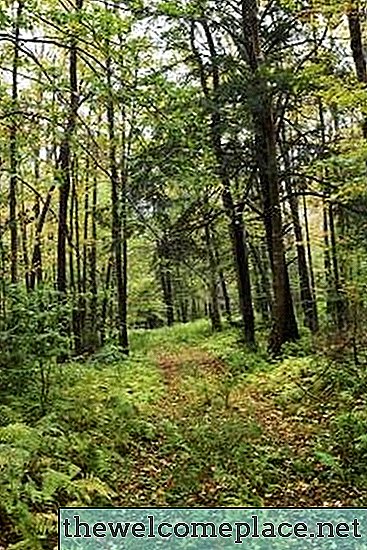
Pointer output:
190, 419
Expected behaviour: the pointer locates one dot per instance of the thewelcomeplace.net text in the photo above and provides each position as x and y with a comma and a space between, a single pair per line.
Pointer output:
239, 531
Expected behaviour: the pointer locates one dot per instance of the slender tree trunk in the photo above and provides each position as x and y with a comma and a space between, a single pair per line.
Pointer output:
308, 304
235, 216
116, 217
264, 294
327, 262
165, 271
309, 255
222, 279
13, 144
24, 234
84, 262
285, 326
93, 266
77, 309
358, 51
36, 262
64, 164
124, 220
340, 303
105, 300
215, 310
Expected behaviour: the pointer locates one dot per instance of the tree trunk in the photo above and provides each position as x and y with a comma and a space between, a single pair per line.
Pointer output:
308, 304
309, 254
24, 235
13, 144
285, 326
64, 165
77, 309
264, 295
327, 262
215, 310
116, 229
236, 223
93, 268
340, 303
222, 279
165, 272
356, 44
84, 269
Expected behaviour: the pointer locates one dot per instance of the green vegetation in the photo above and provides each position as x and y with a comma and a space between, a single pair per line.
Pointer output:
183, 245
188, 419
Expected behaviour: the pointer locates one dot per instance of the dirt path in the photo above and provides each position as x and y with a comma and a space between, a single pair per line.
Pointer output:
296, 431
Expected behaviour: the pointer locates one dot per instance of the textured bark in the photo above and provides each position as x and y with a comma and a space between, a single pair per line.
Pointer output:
356, 44
307, 301
309, 256
116, 229
165, 272
213, 278
264, 293
64, 165
236, 223
13, 146
93, 268
285, 325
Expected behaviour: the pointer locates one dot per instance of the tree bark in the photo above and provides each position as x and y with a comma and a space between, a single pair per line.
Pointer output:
235, 215
116, 229
165, 272
93, 267
356, 44
64, 164
213, 282
308, 304
285, 326
13, 144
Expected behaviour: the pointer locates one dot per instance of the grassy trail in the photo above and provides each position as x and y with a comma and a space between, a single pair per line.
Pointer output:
245, 436
190, 419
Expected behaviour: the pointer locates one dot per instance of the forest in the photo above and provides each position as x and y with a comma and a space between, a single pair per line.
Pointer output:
183, 239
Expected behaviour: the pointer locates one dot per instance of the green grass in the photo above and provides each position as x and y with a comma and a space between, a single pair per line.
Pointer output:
189, 419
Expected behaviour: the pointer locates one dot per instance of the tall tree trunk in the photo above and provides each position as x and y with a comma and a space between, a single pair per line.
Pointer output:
264, 295
124, 184
213, 274
235, 215
222, 279
93, 267
358, 51
105, 301
84, 261
285, 326
24, 234
36, 262
77, 308
165, 272
116, 229
64, 164
309, 255
13, 144
340, 303
327, 262
336, 298
308, 304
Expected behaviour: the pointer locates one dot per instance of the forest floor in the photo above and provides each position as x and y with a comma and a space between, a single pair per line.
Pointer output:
190, 419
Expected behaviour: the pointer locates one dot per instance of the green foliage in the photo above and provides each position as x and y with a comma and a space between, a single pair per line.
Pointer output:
30, 341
